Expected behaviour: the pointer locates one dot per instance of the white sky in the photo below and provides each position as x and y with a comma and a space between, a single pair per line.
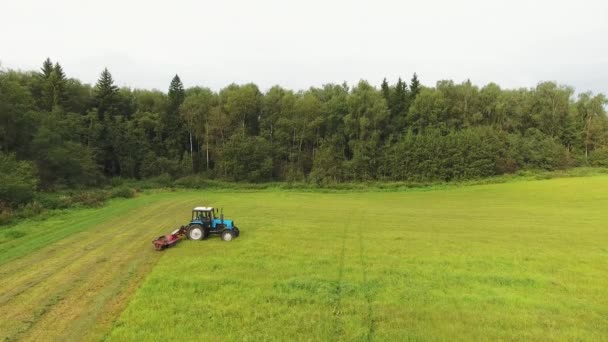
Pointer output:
304, 43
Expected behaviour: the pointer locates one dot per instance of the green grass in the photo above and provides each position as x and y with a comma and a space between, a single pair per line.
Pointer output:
520, 260
32, 234
201, 182
524, 260
67, 278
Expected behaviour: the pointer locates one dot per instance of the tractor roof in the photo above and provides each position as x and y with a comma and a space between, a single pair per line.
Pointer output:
202, 209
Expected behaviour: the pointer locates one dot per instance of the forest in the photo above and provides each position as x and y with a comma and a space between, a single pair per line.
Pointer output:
57, 132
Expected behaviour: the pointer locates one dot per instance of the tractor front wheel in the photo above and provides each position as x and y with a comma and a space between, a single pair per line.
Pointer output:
196, 232
236, 231
228, 235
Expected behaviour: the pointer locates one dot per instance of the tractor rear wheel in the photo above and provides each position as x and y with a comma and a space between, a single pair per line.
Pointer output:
228, 235
236, 231
196, 232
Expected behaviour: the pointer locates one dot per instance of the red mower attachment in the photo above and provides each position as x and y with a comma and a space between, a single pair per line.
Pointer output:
166, 241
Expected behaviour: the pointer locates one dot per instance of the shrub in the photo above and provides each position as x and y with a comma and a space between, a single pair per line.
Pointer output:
6, 214
53, 201
541, 151
164, 180
31, 209
123, 192
18, 180
192, 182
90, 198
599, 157
506, 165
567, 159
116, 182
65, 164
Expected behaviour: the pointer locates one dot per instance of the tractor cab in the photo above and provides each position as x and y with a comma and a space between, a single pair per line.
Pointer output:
205, 222
203, 214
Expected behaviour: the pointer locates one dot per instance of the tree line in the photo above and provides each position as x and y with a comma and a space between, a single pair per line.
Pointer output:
64, 133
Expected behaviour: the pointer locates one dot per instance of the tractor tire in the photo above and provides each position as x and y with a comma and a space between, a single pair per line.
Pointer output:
196, 232
236, 231
228, 235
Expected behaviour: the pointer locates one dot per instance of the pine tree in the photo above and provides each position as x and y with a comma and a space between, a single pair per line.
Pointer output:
386, 91
46, 96
57, 83
106, 92
52, 85
47, 69
176, 95
173, 126
386, 94
399, 105
59, 70
414, 88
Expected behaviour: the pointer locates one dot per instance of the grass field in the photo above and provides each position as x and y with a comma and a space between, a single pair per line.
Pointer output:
521, 260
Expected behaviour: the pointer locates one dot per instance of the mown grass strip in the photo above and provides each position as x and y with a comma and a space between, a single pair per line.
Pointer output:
73, 289
36, 234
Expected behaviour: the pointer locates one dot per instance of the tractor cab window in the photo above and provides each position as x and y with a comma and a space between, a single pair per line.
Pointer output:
206, 216
203, 215
200, 215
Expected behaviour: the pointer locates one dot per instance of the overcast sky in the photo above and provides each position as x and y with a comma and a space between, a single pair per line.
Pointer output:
304, 43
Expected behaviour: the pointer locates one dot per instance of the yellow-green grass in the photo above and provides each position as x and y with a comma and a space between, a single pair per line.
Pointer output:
68, 278
521, 260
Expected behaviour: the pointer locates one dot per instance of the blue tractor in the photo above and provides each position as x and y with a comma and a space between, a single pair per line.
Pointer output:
205, 222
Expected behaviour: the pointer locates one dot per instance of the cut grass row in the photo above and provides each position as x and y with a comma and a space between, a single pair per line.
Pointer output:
32, 234
74, 286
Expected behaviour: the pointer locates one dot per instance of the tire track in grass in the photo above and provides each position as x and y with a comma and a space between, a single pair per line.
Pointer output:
56, 252
39, 301
99, 305
108, 300
23, 314
78, 221
96, 290
98, 302
55, 261
12, 251
74, 310
338, 328
49, 260
83, 288
371, 324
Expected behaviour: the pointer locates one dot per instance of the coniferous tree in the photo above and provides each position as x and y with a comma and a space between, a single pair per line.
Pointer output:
52, 83
173, 127
57, 84
386, 91
59, 70
398, 106
47, 68
106, 92
414, 87
45, 91
176, 95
